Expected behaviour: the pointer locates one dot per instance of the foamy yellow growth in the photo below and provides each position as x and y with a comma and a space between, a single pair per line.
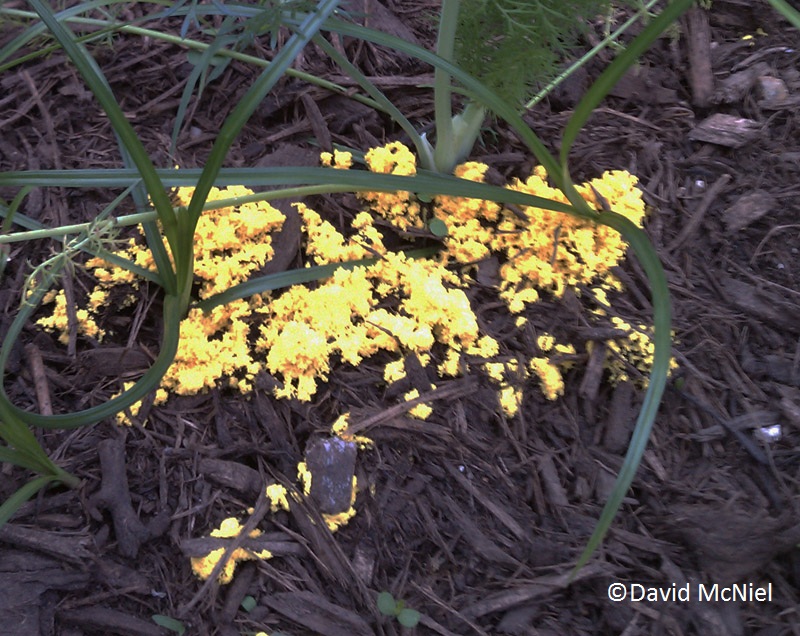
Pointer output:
552, 251
276, 494
400, 208
549, 370
420, 411
340, 428
503, 374
58, 321
231, 243
510, 400
636, 350
203, 566
304, 477
338, 159
122, 417
394, 371
397, 305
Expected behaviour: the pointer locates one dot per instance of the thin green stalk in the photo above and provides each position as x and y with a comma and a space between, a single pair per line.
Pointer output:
189, 44
423, 149
787, 11
155, 189
230, 130
590, 54
442, 87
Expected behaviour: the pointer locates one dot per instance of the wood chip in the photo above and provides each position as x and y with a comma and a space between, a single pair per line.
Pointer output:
315, 613
747, 209
234, 475
763, 304
543, 586
734, 87
726, 130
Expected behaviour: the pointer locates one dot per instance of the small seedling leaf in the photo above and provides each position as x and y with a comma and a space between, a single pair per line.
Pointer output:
438, 227
172, 624
386, 604
248, 603
408, 618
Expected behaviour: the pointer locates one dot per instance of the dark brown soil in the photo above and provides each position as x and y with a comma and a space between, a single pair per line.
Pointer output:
472, 519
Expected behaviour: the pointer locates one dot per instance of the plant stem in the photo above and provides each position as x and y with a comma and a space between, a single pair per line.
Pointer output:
590, 54
442, 90
198, 46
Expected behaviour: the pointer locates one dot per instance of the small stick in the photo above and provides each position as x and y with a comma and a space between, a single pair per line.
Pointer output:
39, 379
697, 218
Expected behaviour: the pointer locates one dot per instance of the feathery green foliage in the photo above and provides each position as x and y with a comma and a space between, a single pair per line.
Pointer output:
512, 45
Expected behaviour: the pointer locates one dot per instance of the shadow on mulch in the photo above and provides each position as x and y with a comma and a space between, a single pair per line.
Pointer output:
472, 519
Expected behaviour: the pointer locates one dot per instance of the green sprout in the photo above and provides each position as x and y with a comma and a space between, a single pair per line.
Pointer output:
388, 606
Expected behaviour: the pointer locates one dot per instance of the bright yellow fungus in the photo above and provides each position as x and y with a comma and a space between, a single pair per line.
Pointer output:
340, 428
396, 304
421, 411
203, 566
276, 494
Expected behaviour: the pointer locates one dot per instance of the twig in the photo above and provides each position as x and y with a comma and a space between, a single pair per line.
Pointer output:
39, 379
212, 582
697, 218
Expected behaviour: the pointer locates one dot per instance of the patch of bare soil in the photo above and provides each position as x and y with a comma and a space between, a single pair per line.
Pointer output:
470, 518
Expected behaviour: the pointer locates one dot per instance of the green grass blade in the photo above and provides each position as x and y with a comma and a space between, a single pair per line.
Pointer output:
662, 341
614, 72
11, 456
97, 84
787, 11
236, 120
424, 183
15, 501
383, 102
291, 277
172, 314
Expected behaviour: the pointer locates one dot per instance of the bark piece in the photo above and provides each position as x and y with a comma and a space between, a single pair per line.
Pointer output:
762, 304
241, 478
318, 615
733, 544
26, 578
115, 496
747, 209
734, 87
726, 130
